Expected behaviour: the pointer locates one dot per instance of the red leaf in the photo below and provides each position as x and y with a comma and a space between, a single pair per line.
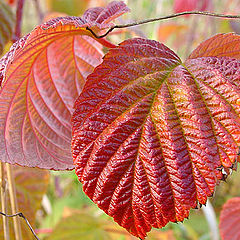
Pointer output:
44, 73
151, 134
230, 219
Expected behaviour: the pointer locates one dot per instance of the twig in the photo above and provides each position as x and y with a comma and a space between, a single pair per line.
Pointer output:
19, 13
13, 201
3, 201
210, 14
22, 216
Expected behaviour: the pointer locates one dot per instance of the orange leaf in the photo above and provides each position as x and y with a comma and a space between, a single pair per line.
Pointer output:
167, 30
221, 45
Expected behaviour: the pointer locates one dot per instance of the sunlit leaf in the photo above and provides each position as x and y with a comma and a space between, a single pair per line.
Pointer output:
230, 220
152, 136
43, 75
31, 184
6, 25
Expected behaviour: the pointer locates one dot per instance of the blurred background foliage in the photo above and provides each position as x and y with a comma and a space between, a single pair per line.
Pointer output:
181, 34
62, 210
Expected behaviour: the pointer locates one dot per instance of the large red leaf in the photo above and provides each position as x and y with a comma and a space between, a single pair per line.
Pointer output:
151, 134
43, 75
230, 220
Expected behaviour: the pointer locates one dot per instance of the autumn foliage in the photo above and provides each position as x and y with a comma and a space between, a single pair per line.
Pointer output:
149, 135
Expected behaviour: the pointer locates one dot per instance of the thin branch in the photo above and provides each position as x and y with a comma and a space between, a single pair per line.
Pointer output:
22, 216
218, 15
13, 201
19, 13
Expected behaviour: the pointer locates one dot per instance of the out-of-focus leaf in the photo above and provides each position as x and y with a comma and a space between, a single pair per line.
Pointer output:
161, 235
31, 185
43, 73
81, 225
167, 30
6, 25
70, 7
84, 224
230, 220
11, 2
152, 136
190, 5
221, 45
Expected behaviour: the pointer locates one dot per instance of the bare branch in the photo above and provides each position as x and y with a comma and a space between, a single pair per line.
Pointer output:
19, 13
22, 216
210, 14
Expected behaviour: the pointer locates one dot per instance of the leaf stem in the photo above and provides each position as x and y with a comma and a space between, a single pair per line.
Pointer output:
210, 14
22, 216
13, 201
106, 43
3, 201
18, 26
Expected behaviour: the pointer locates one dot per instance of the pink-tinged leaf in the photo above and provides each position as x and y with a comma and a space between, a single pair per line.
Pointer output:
190, 5
151, 135
220, 45
6, 25
43, 74
230, 220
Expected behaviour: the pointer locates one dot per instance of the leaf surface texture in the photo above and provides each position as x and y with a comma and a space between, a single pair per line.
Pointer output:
151, 134
229, 219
